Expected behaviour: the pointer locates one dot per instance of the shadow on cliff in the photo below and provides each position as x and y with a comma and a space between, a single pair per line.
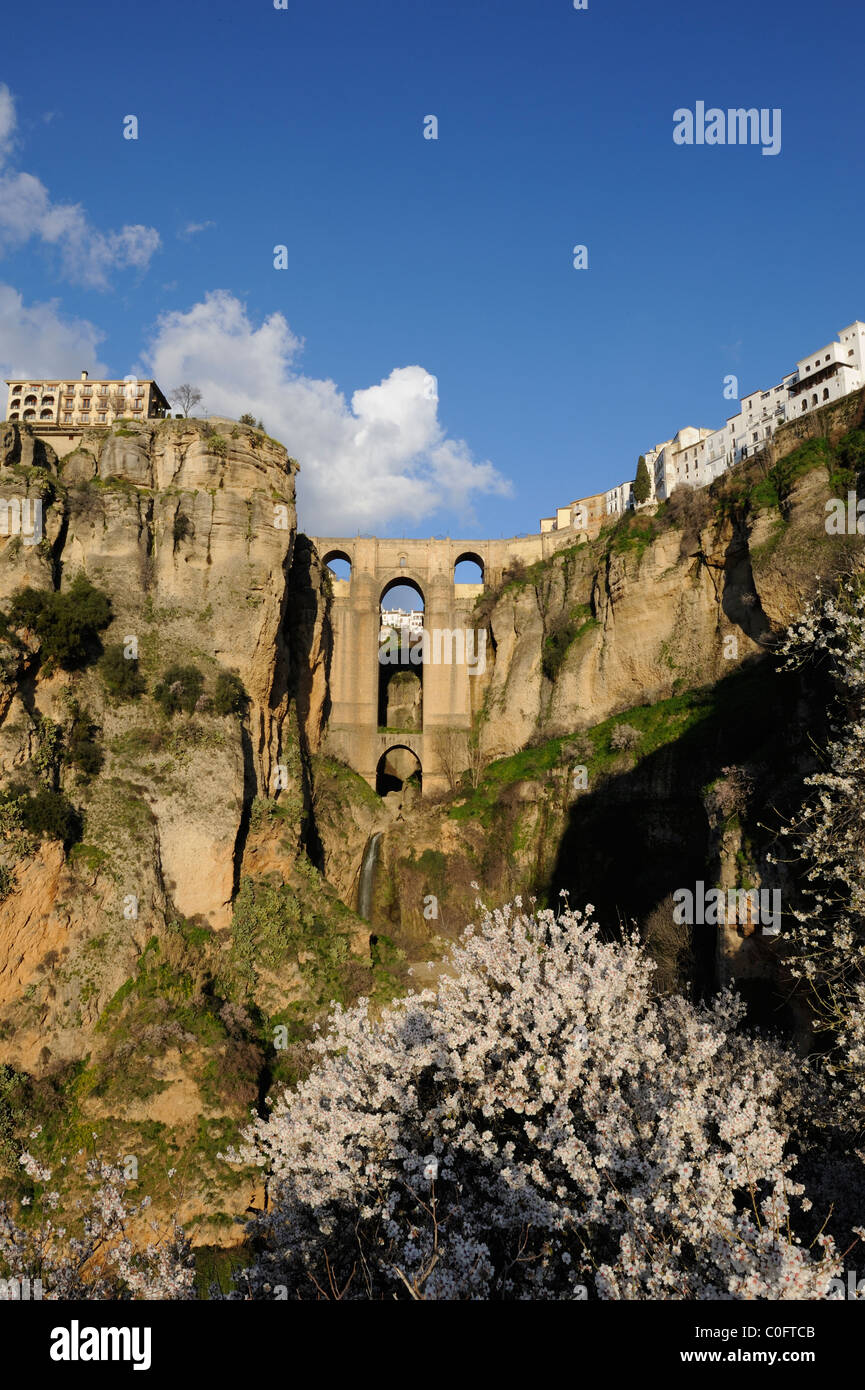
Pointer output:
642, 833
302, 610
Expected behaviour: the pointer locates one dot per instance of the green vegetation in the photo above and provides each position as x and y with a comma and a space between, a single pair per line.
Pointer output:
338, 785
120, 674
642, 482
657, 725
755, 486
179, 689
302, 932
49, 750
229, 696
633, 534
83, 751
562, 633
48, 814
7, 881
66, 623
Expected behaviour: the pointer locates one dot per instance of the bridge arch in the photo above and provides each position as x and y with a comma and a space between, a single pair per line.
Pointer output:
402, 580
470, 557
398, 767
342, 557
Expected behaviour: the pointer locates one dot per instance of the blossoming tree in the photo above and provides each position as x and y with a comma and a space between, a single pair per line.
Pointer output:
541, 1125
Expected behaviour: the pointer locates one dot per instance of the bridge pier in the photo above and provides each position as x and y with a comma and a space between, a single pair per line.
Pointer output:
353, 730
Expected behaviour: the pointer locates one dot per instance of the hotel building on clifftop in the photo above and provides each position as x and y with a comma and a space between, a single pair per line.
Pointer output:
83, 403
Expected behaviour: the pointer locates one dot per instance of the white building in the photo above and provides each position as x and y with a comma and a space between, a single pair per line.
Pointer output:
697, 457
830, 373
398, 620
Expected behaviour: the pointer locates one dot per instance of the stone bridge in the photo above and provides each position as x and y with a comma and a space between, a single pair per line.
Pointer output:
357, 728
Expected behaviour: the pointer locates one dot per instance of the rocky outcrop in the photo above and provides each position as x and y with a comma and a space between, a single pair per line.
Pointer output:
631, 619
189, 527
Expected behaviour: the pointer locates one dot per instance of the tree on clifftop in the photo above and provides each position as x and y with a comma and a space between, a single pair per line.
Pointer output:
642, 482
186, 397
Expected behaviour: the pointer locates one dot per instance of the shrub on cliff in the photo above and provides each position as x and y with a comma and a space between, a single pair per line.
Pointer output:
120, 674
48, 814
625, 738
229, 696
67, 623
83, 750
541, 1121
179, 689
562, 632
689, 508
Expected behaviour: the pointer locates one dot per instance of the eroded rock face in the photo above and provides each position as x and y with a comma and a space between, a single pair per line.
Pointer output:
648, 622
189, 527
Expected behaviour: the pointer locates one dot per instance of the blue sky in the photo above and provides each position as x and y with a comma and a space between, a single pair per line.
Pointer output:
304, 127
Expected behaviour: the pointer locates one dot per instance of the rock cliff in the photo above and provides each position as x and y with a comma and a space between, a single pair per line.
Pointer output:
180, 856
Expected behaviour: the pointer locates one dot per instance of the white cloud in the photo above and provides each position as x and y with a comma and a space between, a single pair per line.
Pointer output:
7, 122
36, 340
193, 228
87, 256
382, 458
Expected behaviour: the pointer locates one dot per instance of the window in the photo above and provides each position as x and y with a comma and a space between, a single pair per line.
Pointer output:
103, 390
85, 417
814, 400
850, 353
755, 436
805, 404
825, 393
67, 417
101, 417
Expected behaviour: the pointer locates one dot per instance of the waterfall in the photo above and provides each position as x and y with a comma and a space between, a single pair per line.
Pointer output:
367, 876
